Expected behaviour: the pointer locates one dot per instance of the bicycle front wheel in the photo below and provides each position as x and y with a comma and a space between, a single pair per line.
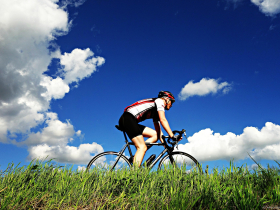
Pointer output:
180, 160
106, 161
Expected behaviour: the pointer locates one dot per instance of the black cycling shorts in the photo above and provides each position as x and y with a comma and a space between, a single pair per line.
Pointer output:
130, 125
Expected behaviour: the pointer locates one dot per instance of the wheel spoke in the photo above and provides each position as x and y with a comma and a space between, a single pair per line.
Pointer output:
179, 160
106, 160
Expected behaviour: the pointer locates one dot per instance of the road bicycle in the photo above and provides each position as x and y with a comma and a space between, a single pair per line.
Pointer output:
117, 160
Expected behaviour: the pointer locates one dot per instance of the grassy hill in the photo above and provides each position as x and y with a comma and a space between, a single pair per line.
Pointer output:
42, 185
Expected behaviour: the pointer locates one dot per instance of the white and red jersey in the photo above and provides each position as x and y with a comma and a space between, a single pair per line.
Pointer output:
146, 109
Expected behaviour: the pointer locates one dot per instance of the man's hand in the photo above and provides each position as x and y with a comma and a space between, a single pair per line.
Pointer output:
176, 138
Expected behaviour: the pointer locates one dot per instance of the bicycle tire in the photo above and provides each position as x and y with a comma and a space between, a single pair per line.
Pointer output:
182, 160
101, 161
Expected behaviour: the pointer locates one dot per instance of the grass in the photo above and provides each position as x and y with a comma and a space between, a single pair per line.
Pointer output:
42, 185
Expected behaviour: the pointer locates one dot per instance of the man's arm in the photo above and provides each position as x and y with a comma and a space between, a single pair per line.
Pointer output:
164, 123
158, 130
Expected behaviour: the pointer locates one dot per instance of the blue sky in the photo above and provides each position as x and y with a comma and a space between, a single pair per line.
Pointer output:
69, 68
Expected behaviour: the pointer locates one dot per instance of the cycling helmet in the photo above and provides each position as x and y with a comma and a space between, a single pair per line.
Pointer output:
166, 94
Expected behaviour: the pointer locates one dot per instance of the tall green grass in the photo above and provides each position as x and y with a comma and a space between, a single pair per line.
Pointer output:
42, 185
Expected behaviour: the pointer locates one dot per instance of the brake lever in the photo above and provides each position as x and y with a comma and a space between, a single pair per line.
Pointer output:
185, 135
176, 145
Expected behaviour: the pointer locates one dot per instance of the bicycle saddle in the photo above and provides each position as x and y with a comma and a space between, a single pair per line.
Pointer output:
119, 128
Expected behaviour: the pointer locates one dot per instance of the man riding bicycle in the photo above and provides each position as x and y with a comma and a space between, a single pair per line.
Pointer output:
151, 108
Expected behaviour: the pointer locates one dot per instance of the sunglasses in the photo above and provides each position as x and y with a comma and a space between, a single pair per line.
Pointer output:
171, 101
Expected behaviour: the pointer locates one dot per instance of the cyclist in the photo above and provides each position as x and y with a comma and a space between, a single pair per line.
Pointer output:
146, 109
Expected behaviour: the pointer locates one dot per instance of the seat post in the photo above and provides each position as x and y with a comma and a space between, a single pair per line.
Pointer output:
127, 143
125, 137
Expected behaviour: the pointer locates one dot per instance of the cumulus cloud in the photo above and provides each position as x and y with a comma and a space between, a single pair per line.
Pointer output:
28, 30
261, 144
253, 166
75, 3
82, 168
204, 87
268, 7
56, 88
79, 64
65, 153
55, 132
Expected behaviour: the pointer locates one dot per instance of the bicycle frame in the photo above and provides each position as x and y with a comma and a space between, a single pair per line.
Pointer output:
168, 150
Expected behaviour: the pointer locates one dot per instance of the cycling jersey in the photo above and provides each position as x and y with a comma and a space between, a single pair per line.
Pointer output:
146, 109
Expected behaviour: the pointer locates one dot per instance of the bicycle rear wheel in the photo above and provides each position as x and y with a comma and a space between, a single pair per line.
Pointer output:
180, 160
106, 160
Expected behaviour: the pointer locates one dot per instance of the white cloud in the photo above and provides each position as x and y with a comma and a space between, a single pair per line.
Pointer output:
79, 133
253, 166
268, 7
27, 29
56, 88
204, 87
261, 144
79, 64
65, 153
55, 133
269, 152
75, 3
81, 168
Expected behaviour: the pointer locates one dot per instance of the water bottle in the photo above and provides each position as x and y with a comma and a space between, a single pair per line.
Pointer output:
150, 159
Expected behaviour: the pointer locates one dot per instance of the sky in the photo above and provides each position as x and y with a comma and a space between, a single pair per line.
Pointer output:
69, 68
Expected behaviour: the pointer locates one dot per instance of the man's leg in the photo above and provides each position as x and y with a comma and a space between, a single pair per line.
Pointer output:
151, 135
141, 149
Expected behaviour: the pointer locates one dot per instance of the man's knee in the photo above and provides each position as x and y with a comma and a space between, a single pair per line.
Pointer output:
142, 147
